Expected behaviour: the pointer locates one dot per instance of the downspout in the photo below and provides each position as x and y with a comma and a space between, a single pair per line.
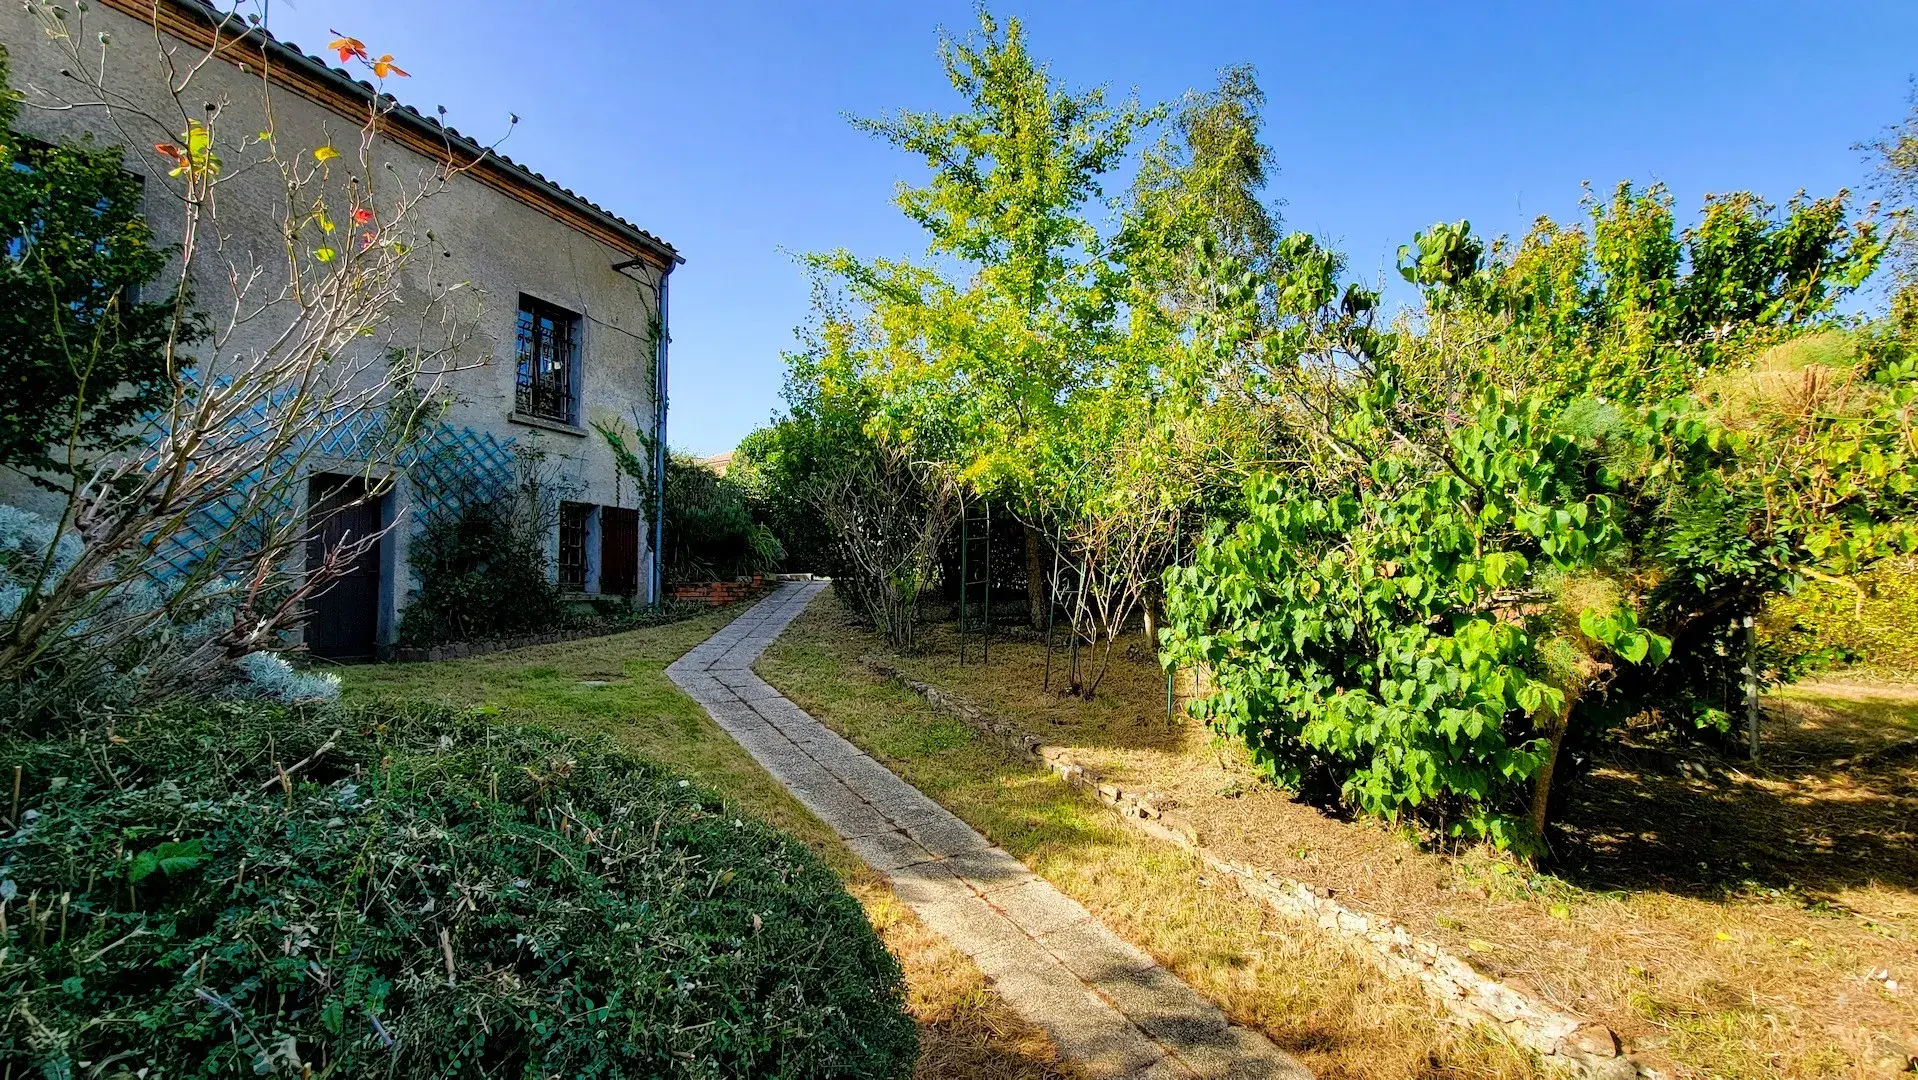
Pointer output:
659, 444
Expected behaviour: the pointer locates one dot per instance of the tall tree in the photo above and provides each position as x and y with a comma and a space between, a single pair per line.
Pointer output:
1897, 157
1014, 177
1204, 181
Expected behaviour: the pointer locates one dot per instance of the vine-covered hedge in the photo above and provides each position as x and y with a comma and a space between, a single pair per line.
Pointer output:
241, 889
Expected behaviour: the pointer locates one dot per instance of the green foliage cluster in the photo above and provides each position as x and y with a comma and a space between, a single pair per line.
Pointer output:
773, 464
82, 356
711, 529
1868, 625
1549, 504
482, 572
223, 890
1378, 643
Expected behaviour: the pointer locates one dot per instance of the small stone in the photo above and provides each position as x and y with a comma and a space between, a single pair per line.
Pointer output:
1594, 1039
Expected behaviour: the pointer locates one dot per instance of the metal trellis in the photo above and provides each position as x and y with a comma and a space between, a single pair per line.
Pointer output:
969, 623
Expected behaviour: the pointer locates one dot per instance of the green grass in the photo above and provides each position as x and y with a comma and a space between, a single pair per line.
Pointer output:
1865, 704
639, 706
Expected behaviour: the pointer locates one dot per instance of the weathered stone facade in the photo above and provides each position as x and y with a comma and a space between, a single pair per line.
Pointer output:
510, 235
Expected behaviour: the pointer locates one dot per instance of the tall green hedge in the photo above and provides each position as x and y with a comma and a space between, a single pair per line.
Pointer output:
424, 895
1871, 628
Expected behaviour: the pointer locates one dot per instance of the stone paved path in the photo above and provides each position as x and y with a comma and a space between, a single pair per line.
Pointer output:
1108, 1006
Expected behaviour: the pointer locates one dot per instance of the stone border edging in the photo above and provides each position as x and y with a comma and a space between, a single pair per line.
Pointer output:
1581, 1047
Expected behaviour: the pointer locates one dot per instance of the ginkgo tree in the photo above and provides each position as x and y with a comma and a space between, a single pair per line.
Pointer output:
1052, 340
1017, 306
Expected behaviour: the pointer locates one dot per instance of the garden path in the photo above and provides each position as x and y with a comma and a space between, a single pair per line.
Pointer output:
1111, 1010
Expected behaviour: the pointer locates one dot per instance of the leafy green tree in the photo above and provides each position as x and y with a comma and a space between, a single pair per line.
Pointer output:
779, 465
1546, 502
1203, 183
82, 356
1896, 152
871, 464
1014, 176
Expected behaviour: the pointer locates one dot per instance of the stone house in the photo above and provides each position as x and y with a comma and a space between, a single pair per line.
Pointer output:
569, 329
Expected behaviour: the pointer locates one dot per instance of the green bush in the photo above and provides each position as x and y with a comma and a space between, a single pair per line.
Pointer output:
428, 895
482, 573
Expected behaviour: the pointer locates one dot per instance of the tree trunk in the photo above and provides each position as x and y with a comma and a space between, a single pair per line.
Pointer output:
1038, 589
1542, 780
1149, 609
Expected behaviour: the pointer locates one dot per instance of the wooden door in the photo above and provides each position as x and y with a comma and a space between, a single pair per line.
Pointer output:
618, 550
343, 621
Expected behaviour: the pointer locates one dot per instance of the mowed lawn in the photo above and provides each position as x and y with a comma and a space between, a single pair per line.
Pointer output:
617, 686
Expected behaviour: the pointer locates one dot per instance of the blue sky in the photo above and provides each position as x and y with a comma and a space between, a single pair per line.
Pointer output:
720, 125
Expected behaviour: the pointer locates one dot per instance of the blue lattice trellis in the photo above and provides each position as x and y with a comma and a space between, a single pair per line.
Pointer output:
452, 466
446, 466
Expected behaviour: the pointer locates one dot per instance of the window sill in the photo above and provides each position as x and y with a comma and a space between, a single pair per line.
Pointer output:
548, 425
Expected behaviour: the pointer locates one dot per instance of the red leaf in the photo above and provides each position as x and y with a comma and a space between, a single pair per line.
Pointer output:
362, 216
348, 47
170, 152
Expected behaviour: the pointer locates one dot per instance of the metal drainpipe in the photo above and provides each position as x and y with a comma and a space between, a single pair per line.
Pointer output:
659, 446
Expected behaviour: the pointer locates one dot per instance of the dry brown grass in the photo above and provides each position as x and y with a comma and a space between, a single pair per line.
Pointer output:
1726, 919
965, 1030
1313, 996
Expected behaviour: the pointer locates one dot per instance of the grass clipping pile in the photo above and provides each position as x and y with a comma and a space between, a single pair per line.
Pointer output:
236, 890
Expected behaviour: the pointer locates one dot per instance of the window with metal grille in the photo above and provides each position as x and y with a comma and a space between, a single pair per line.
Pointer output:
548, 355
572, 545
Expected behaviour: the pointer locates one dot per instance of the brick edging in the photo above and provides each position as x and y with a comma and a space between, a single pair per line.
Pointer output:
1582, 1047
721, 593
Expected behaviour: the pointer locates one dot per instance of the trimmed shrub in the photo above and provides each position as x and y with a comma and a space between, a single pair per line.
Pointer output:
419, 895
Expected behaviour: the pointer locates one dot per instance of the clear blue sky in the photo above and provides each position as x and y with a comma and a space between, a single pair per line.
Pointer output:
719, 125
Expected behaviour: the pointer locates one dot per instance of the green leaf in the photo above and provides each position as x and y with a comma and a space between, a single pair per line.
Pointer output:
1633, 646
171, 858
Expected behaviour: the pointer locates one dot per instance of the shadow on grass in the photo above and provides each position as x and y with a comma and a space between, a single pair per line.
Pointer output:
1822, 815
1812, 821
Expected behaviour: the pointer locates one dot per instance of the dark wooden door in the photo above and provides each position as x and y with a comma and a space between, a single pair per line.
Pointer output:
618, 550
343, 621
